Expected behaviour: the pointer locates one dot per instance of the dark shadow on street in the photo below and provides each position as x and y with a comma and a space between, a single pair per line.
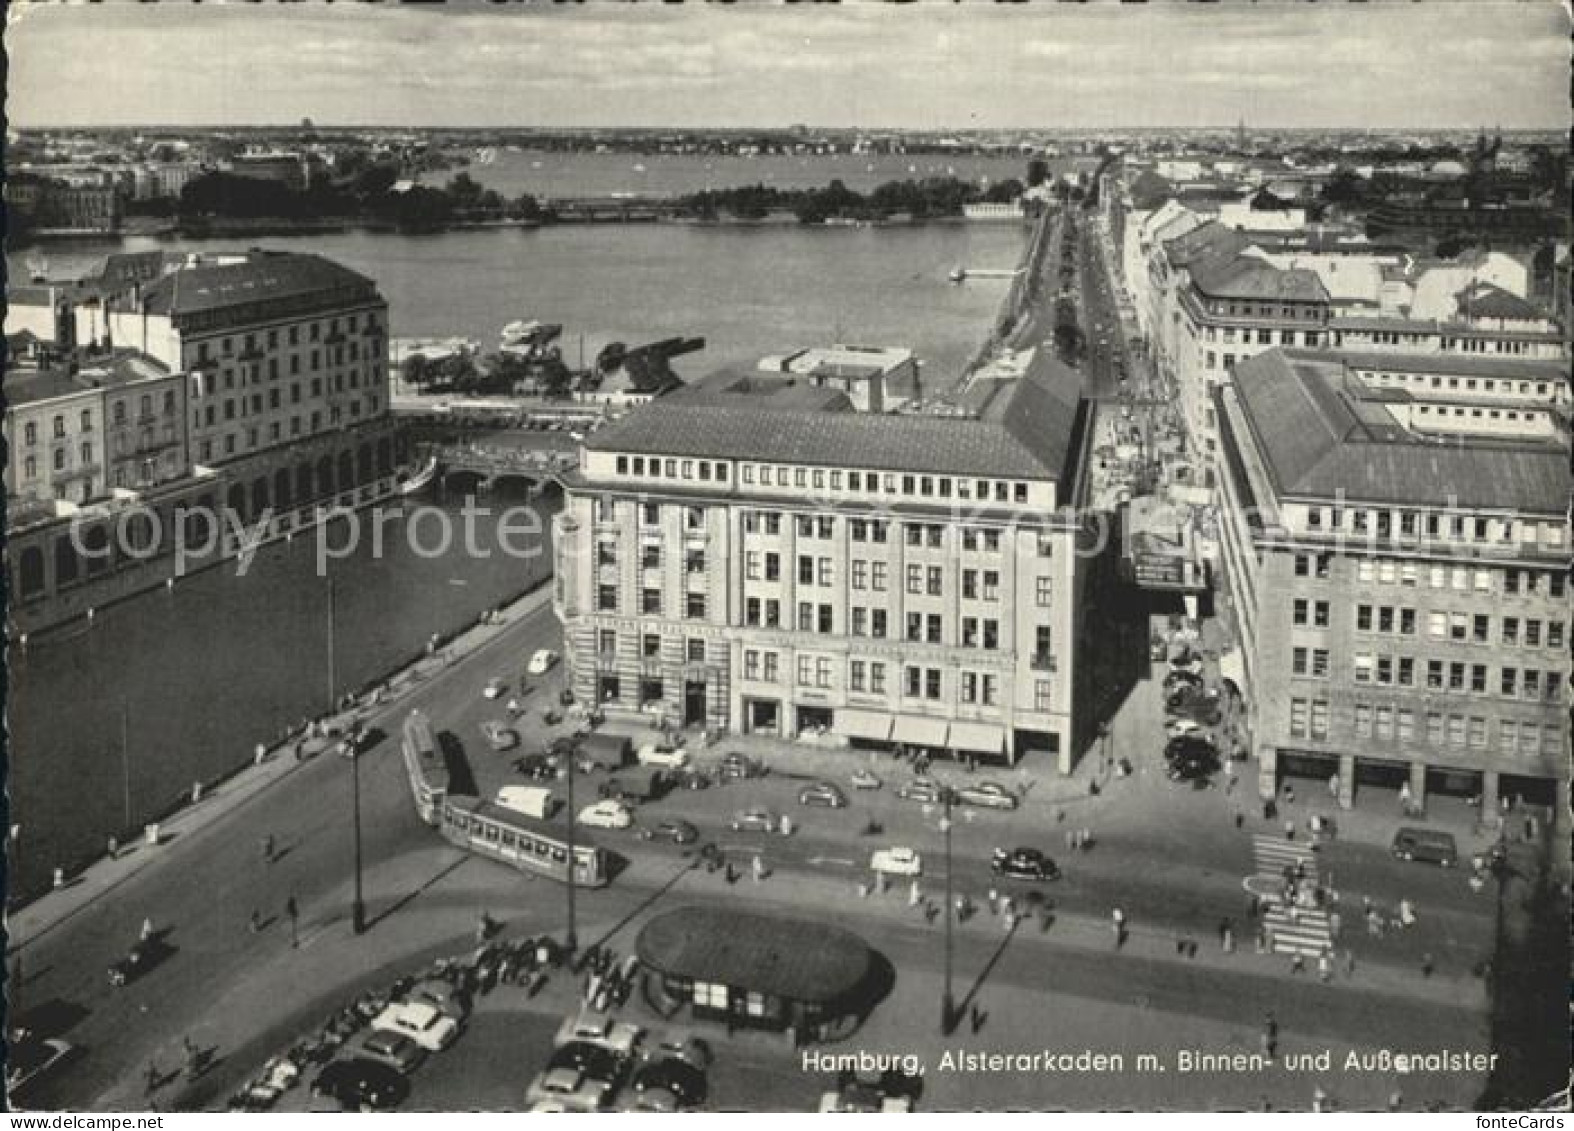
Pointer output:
461, 778
644, 905
967, 1003
435, 878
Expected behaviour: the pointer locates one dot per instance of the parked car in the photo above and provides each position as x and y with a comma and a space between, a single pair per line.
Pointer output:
30, 1060
865, 779
598, 1027
755, 818
919, 789
735, 767
395, 1050
679, 1079
675, 829
536, 767
499, 735
1023, 864
691, 779
565, 1089
421, 1021
1190, 757
595, 1061
676, 1044
1428, 845
897, 861
542, 662
442, 995
987, 795
495, 687
607, 814
822, 793
358, 1084
663, 754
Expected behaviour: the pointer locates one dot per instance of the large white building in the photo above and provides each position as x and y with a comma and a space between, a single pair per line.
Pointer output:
767, 567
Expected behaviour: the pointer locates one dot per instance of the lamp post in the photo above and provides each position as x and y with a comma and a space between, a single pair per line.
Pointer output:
570, 750
14, 870
352, 751
947, 999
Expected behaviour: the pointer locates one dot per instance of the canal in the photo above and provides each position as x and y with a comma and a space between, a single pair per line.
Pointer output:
205, 671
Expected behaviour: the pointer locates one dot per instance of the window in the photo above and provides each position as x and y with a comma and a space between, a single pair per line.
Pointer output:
1479, 627
915, 579
1437, 625
1478, 678
1299, 611
969, 691
970, 584
751, 565
825, 619
1043, 591
650, 601
876, 678
805, 570
1320, 614
805, 671
991, 585
912, 681
1319, 721
650, 556
1456, 730
856, 678
860, 621
1456, 676
1298, 714
1042, 691
772, 670
932, 684
877, 624
773, 566
1363, 618
915, 627
650, 514
1554, 634
860, 574
1407, 671
934, 581
607, 598
805, 616
1299, 661
1363, 667
1532, 634
1458, 627
969, 632
1407, 622
650, 646
1363, 720
933, 628
991, 634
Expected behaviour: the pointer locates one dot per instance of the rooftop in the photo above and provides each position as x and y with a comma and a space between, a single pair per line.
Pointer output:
1322, 437
762, 391
1018, 429
802, 960
257, 276
29, 385
1457, 365
1250, 278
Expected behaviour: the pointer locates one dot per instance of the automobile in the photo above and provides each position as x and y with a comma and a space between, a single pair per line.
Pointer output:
919, 789
1023, 864
536, 767
594, 1061
565, 1089
444, 996
680, 1079
609, 813
897, 861
756, 819
677, 1044
30, 1060
1189, 745
598, 1027
663, 754
421, 1021
358, 1084
1179, 677
690, 779
142, 957
675, 829
543, 661
495, 687
499, 735
822, 793
865, 779
1190, 759
859, 1097
395, 1050
735, 767
1180, 728
1426, 844
987, 795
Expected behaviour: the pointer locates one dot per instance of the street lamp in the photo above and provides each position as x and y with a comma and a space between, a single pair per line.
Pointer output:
948, 1016
13, 872
568, 749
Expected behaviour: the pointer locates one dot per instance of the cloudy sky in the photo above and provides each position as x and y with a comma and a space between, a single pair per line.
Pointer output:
1459, 63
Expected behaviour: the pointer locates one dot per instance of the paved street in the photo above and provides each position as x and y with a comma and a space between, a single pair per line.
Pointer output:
1172, 858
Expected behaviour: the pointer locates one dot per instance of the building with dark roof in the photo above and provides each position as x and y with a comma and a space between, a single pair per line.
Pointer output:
279, 346
805, 569
1398, 559
755, 971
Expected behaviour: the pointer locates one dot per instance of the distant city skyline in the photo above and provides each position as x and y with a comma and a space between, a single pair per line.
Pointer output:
764, 65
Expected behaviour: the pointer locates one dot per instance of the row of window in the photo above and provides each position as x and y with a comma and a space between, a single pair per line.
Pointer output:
869, 677
1419, 341
649, 645
1388, 724
650, 556
1453, 675
85, 420
206, 384
1413, 524
208, 414
669, 467
1474, 628
298, 426
889, 483
650, 603
315, 331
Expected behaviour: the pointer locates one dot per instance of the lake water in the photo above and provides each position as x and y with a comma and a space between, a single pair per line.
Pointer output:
221, 662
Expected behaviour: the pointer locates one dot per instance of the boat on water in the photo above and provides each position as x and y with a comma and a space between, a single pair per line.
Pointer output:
531, 332
423, 475
958, 274
639, 168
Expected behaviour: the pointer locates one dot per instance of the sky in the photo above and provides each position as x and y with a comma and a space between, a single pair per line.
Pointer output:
864, 63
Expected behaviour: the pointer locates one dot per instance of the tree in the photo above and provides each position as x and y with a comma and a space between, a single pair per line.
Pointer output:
414, 370
1037, 172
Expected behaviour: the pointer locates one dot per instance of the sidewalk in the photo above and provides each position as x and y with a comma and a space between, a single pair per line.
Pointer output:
379, 707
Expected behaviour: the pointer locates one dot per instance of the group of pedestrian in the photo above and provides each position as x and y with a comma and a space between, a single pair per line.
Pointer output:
1079, 840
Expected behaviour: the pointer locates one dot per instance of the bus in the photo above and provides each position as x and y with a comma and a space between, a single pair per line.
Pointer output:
521, 842
424, 764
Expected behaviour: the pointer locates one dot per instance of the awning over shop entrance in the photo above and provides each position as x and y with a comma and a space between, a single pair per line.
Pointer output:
978, 738
852, 723
919, 732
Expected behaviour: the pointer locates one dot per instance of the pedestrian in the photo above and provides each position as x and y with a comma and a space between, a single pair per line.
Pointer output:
1086, 839
147, 929
1404, 797
255, 923
114, 849
1253, 905
1426, 965
1071, 840
994, 901
1289, 794
1240, 818
1349, 963
1228, 941
1396, 1100
267, 849
1298, 963
1333, 786
1319, 1099
153, 1078
1289, 830
1334, 923
294, 912
1324, 967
